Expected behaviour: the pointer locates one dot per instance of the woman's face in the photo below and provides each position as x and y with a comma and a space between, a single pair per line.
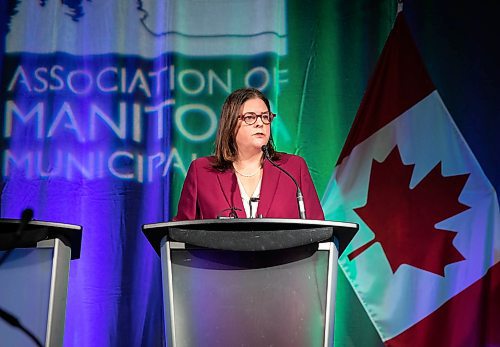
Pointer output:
250, 138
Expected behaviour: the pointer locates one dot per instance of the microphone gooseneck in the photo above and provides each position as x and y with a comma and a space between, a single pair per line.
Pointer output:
300, 197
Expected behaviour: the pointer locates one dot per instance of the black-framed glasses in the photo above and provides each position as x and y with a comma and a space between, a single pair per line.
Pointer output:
251, 117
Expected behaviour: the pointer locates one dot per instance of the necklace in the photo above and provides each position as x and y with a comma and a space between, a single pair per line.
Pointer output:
246, 175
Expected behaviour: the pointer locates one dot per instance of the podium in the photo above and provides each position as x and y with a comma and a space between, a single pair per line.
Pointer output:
34, 279
249, 282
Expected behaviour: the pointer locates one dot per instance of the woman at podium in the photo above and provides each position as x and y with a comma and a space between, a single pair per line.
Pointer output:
246, 177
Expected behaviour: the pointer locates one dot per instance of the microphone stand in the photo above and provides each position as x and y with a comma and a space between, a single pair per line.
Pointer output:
300, 197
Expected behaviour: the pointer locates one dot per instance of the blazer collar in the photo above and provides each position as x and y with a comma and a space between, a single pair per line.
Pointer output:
231, 190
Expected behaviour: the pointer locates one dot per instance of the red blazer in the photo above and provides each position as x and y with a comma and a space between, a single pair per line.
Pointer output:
208, 193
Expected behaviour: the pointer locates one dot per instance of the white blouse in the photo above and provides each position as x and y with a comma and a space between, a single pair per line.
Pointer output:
250, 203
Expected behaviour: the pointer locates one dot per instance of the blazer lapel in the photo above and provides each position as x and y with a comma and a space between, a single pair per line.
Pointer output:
268, 189
229, 186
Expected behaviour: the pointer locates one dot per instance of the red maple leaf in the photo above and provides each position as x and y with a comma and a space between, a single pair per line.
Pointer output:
404, 219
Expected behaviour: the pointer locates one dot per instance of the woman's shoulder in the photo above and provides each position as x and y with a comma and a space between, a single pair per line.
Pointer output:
289, 159
204, 163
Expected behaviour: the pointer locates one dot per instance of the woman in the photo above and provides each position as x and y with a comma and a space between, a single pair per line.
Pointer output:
237, 181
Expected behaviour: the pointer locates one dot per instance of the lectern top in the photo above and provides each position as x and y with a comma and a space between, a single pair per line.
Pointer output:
252, 222
232, 234
35, 231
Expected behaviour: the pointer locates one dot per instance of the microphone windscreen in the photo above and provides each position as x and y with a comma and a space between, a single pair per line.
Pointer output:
27, 215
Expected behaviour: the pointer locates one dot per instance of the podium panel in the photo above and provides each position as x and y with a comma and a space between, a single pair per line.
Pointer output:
249, 282
229, 298
34, 283
34, 280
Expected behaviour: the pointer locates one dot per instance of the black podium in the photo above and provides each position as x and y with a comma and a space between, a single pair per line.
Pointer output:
249, 282
34, 279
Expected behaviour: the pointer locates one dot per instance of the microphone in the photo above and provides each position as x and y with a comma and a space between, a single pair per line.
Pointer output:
26, 217
300, 197
252, 199
232, 213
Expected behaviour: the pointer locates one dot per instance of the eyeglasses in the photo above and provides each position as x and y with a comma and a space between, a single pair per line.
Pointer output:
250, 117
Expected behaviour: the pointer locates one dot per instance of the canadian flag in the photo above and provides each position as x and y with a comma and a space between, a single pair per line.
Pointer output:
425, 262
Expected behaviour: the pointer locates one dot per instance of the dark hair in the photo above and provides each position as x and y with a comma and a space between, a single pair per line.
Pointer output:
226, 149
